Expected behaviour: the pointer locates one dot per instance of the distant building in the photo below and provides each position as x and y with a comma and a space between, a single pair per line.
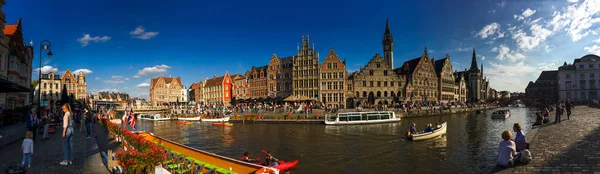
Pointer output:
446, 85
196, 93
333, 81
544, 90
460, 93
81, 86
70, 81
257, 78
421, 79
279, 72
504, 95
184, 94
477, 85
165, 90
218, 90
579, 81
305, 77
377, 83
241, 88
51, 87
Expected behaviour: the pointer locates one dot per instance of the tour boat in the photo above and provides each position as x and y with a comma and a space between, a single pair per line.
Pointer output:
362, 118
189, 118
144, 117
158, 117
224, 119
429, 135
221, 162
501, 114
221, 124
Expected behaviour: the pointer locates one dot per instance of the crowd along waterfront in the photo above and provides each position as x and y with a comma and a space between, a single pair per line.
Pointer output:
470, 145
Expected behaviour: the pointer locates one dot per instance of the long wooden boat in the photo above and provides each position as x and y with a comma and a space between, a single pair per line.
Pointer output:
224, 119
234, 165
189, 118
362, 118
429, 135
501, 114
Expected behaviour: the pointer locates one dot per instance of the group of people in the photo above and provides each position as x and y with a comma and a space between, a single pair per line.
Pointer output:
34, 121
428, 128
511, 151
268, 161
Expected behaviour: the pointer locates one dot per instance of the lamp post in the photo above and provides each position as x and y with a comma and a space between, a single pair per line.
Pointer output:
44, 45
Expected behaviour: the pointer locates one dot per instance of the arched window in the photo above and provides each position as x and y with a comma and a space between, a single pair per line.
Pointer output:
378, 93
385, 94
364, 93
358, 94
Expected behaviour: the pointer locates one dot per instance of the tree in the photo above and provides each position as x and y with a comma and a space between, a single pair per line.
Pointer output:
34, 83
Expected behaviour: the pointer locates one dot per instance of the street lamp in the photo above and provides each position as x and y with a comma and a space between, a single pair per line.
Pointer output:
44, 45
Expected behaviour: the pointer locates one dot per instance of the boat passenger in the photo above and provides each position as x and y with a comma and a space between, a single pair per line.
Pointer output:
438, 126
413, 128
520, 140
270, 160
246, 157
507, 153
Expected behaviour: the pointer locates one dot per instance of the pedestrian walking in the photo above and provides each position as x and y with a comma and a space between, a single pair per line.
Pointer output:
558, 112
568, 106
67, 136
27, 148
88, 122
45, 121
32, 122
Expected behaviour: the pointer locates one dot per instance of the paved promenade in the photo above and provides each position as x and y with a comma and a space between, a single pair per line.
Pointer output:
572, 146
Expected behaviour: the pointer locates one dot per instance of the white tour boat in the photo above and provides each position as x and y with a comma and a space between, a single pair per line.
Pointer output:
362, 118
189, 118
158, 117
224, 119
501, 114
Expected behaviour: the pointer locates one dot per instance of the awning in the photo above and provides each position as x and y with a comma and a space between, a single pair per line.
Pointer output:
10, 87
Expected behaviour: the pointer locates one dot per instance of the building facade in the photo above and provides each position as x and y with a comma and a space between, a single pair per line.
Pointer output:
19, 61
218, 90
333, 81
70, 81
51, 87
4, 52
579, 81
460, 87
196, 93
421, 79
305, 71
257, 78
241, 88
165, 90
477, 85
446, 82
377, 83
544, 90
81, 86
279, 72
184, 94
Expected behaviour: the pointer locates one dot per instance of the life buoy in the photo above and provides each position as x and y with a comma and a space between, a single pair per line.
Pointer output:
265, 170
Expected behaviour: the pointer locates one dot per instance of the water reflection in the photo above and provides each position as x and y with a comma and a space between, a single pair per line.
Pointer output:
468, 147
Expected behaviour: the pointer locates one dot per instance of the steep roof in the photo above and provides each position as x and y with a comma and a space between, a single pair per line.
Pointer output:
409, 66
458, 75
10, 29
439, 65
214, 81
548, 75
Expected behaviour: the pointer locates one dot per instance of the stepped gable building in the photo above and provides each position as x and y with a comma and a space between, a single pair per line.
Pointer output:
70, 81
446, 82
17, 69
377, 83
421, 79
477, 85
460, 93
257, 78
545, 89
279, 72
218, 90
165, 90
333, 81
81, 86
305, 77
579, 81
241, 88
388, 45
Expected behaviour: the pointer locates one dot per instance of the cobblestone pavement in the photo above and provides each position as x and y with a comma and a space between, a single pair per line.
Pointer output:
572, 146
47, 154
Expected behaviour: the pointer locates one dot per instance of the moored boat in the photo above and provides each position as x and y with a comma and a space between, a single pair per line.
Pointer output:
224, 119
501, 114
222, 162
158, 117
221, 124
429, 135
362, 118
189, 118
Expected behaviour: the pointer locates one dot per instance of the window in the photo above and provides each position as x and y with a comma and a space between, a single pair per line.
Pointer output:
334, 65
335, 75
378, 65
385, 84
581, 66
44, 85
341, 85
371, 83
329, 85
364, 83
392, 83
323, 86
341, 75
591, 66
328, 75
385, 94
323, 76
568, 76
592, 84
385, 73
364, 94
378, 83
371, 72
335, 86
591, 75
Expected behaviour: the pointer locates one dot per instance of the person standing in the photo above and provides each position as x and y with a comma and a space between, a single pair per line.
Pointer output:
32, 122
88, 122
558, 112
27, 148
568, 106
67, 135
45, 121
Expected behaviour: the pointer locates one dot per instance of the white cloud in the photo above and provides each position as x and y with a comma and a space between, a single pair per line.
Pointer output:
47, 69
143, 95
489, 30
526, 42
528, 12
572, 1
108, 90
552, 65
85, 71
576, 19
501, 3
97, 78
116, 77
113, 81
86, 39
510, 76
148, 71
504, 52
482, 57
140, 33
143, 85
594, 49
463, 49
127, 78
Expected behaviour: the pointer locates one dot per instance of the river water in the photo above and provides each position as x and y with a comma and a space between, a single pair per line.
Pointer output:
470, 145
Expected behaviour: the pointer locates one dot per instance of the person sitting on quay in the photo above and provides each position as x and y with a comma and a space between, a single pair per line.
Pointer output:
507, 152
520, 140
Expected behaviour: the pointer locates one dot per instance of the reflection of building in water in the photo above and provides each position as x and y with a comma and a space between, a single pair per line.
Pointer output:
227, 137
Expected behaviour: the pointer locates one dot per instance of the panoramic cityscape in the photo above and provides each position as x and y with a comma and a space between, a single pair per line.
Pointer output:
494, 86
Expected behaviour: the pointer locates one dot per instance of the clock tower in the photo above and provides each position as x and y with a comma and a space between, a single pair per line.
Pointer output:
388, 45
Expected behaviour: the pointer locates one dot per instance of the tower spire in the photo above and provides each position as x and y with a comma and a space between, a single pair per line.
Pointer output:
387, 26
474, 62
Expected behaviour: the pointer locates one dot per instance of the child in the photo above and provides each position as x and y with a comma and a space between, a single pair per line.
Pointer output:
27, 148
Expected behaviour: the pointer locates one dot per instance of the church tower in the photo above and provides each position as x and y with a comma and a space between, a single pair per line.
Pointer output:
388, 45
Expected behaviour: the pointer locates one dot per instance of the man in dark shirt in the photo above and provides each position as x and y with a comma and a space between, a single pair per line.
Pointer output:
88, 122
568, 106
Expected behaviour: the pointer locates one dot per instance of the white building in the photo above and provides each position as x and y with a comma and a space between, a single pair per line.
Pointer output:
580, 81
184, 94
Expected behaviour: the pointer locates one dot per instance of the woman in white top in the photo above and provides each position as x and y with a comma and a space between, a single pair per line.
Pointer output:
507, 152
67, 135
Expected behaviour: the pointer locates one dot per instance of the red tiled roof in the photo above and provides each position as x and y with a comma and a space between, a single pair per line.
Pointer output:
214, 81
10, 29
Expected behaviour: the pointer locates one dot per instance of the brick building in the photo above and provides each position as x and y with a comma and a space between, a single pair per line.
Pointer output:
257, 78
165, 90
218, 90
241, 88
333, 81
446, 84
81, 86
279, 73
196, 93
305, 77
421, 79
377, 83
19, 59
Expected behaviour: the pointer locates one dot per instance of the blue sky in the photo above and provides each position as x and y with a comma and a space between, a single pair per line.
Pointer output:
125, 43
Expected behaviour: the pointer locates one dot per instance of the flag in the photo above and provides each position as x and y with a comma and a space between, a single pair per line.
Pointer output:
124, 118
132, 118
